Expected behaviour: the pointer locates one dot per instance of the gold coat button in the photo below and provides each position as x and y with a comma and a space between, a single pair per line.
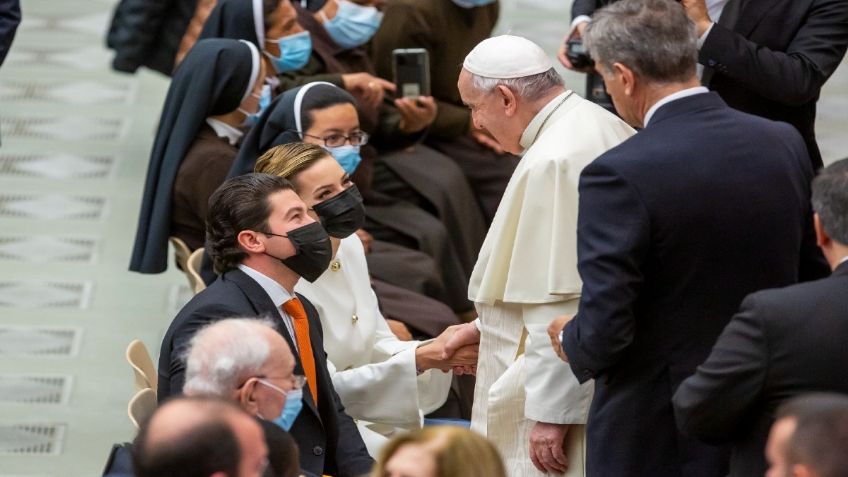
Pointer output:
335, 265
354, 319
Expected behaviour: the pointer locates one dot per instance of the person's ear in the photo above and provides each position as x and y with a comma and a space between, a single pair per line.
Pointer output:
249, 241
626, 77
507, 100
247, 397
822, 239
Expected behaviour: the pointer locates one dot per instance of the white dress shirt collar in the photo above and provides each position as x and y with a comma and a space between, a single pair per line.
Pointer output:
531, 132
225, 131
674, 96
275, 291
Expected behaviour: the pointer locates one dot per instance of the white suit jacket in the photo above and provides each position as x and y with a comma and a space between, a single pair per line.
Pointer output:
373, 372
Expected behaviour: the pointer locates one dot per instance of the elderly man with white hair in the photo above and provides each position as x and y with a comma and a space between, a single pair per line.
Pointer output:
248, 361
526, 273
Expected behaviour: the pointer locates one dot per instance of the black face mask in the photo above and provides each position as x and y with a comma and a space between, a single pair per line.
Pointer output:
313, 251
343, 214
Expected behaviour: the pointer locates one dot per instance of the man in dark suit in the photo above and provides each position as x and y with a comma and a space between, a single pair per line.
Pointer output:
772, 57
781, 343
262, 241
676, 225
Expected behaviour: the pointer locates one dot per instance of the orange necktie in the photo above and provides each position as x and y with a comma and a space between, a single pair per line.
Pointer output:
294, 308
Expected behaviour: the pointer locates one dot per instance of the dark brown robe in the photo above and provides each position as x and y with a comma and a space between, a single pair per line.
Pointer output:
203, 169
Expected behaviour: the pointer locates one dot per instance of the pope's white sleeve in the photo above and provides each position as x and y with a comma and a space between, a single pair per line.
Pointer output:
553, 393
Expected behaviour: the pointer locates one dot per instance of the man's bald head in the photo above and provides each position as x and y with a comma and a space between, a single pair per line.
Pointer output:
194, 437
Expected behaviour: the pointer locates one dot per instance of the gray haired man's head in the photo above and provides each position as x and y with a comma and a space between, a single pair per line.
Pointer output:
654, 38
505, 81
242, 359
222, 355
830, 203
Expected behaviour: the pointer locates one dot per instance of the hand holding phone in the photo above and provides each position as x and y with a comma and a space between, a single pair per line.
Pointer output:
412, 72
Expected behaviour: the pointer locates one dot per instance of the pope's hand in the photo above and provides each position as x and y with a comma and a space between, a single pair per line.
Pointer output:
554, 329
457, 336
547, 443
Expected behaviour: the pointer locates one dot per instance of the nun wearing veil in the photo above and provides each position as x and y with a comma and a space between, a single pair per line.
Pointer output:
322, 114
215, 91
271, 25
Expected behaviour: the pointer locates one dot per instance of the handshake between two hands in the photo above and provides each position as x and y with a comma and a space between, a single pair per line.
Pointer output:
458, 346
455, 349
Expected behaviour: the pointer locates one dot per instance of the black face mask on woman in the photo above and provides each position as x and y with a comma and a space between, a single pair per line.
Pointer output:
342, 214
313, 251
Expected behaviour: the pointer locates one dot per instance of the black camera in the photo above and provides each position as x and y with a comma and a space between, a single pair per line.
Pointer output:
577, 54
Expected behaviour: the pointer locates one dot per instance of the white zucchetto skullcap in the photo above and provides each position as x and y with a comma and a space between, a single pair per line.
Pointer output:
507, 56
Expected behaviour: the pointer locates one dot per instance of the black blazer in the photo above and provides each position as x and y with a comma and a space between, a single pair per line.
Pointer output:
782, 343
328, 439
675, 226
774, 58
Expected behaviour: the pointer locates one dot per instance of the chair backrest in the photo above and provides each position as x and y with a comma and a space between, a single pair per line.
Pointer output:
142, 365
195, 281
181, 252
141, 406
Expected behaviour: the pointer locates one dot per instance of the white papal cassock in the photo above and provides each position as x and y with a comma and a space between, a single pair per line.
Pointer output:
526, 275
373, 371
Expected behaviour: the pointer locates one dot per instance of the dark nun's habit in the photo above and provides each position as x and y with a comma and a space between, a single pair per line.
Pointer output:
215, 77
237, 19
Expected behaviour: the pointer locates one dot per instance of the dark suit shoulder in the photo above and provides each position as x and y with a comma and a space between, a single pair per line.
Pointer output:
689, 131
797, 303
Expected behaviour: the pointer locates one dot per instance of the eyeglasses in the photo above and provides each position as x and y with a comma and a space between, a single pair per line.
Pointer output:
299, 382
336, 140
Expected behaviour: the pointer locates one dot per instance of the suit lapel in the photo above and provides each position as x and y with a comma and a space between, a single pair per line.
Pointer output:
263, 306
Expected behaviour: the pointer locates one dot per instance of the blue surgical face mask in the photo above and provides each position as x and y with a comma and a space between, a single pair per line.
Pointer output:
294, 52
353, 24
292, 408
347, 156
264, 101
473, 3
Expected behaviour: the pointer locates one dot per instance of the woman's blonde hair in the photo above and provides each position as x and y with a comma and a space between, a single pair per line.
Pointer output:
458, 452
288, 160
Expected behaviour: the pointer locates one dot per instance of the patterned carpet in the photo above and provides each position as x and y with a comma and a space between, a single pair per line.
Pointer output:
76, 138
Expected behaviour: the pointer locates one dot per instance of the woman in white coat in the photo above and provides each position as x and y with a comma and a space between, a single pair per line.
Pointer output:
384, 383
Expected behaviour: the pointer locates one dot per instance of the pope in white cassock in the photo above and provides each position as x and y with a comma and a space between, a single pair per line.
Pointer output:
527, 401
